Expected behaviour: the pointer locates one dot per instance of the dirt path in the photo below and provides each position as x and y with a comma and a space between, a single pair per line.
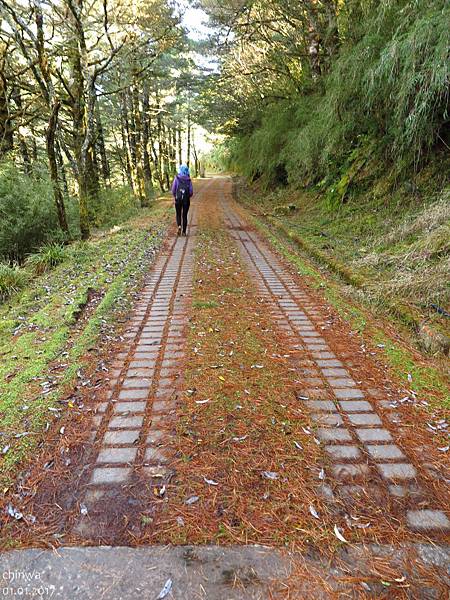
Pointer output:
241, 410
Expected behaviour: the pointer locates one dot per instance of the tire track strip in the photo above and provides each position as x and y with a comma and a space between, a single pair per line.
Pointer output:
366, 461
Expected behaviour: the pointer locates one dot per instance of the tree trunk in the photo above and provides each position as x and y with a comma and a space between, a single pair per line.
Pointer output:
196, 162
145, 140
92, 173
124, 129
159, 128
62, 170
156, 160
53, 167
164, 152
171, 151
34, 150
106, 171
188, 137
140, 180
180, 153
78, 116
6, 130
22, 143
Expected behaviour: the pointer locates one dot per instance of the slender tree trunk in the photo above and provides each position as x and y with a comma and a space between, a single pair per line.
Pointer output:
53, 167
71, 159
145, 139
170, 152
92, 172
83, 112
106, 172
78, 116
162, 159
125, 132
164, 152
140, 179
156, 160
188, 161
179, 147
34, 150
62, 170
25, 155
196, 162
6, 130
132, 139
22, 143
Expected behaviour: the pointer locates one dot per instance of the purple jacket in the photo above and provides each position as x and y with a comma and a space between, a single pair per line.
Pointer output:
182, 178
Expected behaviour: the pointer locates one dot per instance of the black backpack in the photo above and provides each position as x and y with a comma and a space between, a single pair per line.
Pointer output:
183, 189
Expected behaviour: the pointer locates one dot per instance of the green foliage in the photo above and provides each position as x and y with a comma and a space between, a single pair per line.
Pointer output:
218, 159
113, 206
48, 257
27, 214
388, 86
12, 279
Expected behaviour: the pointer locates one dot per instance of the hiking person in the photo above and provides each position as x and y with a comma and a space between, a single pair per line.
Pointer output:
182, 191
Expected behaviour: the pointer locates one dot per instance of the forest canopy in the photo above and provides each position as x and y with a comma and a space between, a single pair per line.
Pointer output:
95, 97
303, 85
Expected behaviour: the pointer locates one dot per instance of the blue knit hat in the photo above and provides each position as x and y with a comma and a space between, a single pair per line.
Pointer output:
183, 170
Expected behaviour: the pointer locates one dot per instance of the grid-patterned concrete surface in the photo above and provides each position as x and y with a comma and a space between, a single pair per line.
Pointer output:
131, 428
366, 458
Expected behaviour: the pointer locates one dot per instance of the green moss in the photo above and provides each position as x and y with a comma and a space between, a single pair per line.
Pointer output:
205, 304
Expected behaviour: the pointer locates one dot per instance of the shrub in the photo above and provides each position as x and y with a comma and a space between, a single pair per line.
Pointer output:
113, 206
12, 279
27, 214
48, 257
388, 89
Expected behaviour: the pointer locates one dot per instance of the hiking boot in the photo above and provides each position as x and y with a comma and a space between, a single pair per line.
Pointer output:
184, 233
179, 231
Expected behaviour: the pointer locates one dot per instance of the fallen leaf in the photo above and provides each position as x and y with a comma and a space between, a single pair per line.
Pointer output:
159, 492
313, 511
12, 512
240, 439
25, 433
192, 500
339, 535
269, 474
210, 481
166, 590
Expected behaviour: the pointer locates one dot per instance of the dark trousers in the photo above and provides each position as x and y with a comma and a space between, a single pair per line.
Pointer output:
182, 209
